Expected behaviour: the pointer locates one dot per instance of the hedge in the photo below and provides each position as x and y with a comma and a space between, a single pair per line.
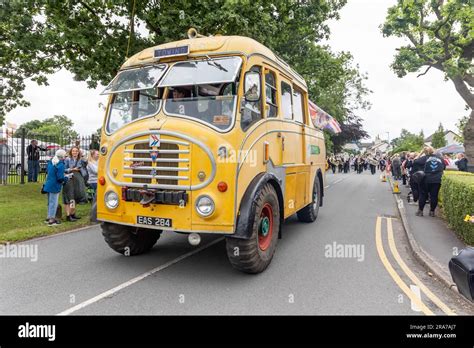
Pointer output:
457, 172
457, 191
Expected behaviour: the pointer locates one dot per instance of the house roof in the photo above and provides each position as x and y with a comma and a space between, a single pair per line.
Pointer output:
445, 133
366, 144
380, 144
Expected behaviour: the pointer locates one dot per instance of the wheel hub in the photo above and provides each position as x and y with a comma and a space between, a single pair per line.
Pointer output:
265, 228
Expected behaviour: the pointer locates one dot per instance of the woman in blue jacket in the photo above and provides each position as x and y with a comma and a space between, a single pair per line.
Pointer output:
54, 182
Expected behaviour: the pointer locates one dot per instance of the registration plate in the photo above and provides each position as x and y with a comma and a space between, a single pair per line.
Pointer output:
154, 221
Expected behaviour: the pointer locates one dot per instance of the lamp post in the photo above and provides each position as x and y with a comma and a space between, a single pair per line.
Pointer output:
388, 140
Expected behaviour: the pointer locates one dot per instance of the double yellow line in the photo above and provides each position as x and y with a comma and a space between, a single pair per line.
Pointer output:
398, 280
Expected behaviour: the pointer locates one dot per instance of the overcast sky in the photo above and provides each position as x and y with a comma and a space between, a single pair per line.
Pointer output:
412, 103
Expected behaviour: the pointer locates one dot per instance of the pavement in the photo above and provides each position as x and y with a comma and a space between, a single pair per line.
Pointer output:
354, 259
430, 238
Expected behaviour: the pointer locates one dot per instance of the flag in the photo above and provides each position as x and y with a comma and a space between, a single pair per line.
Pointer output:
322, 120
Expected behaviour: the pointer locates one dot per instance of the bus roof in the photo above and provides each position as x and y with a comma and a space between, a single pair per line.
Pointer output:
216, 45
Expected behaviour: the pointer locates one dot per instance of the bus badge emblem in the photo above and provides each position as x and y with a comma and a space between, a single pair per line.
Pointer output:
154, 140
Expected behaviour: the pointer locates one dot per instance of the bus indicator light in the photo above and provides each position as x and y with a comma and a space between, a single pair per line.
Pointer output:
102, 181
222, 186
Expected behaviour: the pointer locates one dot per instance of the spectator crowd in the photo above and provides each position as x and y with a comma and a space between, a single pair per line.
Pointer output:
75, 177
422, 171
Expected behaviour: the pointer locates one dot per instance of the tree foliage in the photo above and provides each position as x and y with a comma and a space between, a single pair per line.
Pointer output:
91, 38
461, 125
441, 36
58, 128
438, 139
407, 141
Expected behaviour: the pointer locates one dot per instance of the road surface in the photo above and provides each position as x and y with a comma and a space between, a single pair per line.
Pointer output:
353, 260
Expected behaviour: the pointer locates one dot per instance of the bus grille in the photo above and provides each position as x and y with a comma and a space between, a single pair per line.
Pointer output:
165, 170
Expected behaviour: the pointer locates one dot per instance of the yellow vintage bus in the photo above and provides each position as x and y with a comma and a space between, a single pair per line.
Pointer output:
208, 135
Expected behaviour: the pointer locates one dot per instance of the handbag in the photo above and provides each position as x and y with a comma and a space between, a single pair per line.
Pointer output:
418, 176
84, 173
42, 190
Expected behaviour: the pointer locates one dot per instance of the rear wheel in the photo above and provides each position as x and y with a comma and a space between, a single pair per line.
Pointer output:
253, 255
310, 212
128, 240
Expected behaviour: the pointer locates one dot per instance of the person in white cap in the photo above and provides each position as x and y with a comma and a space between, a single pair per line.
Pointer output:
54, 183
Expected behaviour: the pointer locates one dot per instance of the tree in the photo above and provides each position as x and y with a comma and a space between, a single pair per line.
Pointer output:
58, 128
407, 141
29, 127
441, 37
438, 139
351, 131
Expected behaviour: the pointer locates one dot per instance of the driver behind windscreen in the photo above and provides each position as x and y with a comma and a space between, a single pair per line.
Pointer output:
178, 103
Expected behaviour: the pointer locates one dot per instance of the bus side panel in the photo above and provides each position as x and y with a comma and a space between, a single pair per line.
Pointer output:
316, 153
290, 194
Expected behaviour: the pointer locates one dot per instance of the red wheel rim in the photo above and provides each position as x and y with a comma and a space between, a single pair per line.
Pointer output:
265, 227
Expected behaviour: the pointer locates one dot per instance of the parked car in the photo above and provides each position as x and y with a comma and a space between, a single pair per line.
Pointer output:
12, 153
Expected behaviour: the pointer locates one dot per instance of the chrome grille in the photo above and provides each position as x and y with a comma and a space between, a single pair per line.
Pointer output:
141, 171
165, 170
181, 165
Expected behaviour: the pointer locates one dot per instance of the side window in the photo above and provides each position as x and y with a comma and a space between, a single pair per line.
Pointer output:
286, 103
270, 94
298, 106
251, 111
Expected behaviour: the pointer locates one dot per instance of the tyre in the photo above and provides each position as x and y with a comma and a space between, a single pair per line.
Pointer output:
253, 255
310, 212
127, 240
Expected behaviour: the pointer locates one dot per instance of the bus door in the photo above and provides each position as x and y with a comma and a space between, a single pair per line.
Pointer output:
300, 114
273, 122
293, 154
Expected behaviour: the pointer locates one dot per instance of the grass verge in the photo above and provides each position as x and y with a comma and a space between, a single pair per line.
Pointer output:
23, 210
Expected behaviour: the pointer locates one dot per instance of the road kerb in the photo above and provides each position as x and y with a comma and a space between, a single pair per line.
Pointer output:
55, 234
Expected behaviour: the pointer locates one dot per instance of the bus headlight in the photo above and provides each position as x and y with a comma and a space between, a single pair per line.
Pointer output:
205, 205
111, 200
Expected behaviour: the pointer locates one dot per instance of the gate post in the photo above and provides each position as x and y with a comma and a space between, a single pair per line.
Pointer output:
22, 158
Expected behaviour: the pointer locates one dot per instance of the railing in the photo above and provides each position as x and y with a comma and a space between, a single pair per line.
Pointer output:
18, 166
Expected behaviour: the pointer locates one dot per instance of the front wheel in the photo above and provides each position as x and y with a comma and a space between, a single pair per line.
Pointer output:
128, 240
253, 255
310, 212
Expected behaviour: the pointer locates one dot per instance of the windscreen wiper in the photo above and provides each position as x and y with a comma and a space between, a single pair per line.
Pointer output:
212, 62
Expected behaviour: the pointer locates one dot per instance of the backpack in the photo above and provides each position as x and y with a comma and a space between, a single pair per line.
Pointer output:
433, 165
